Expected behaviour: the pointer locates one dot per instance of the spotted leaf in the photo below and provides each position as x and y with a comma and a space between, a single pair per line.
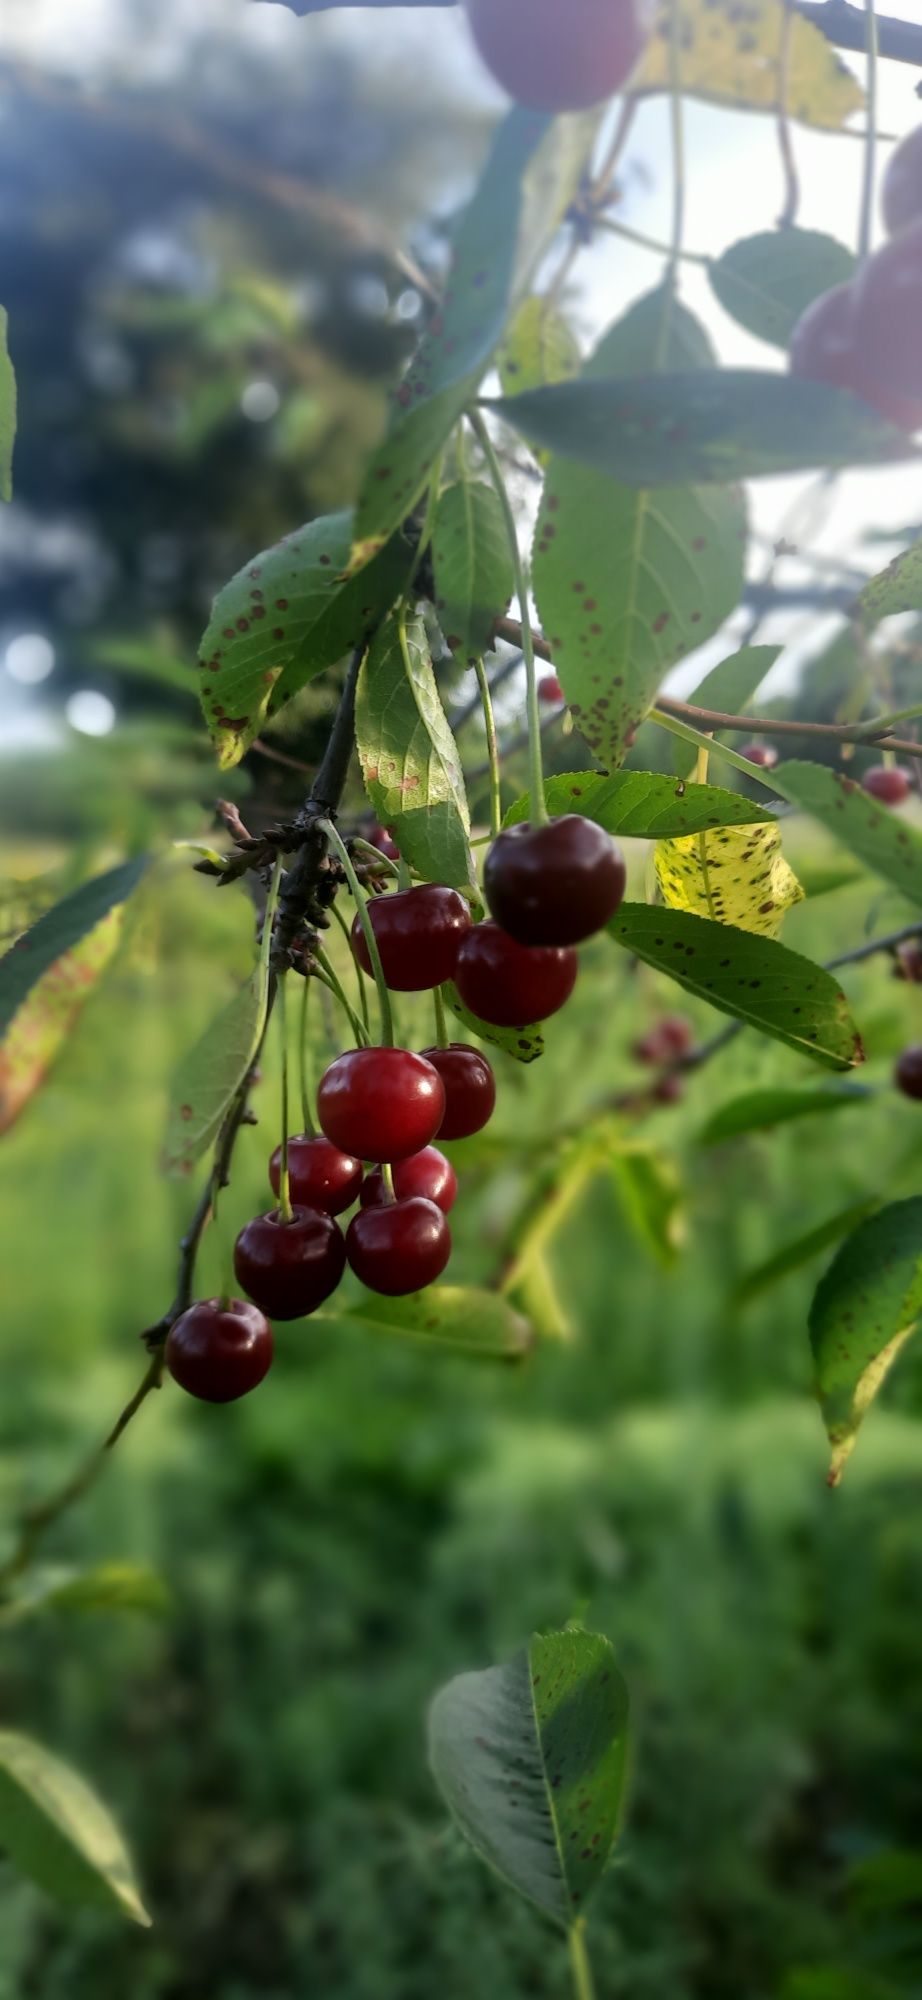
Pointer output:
525, 1045
730, 52
736, 875
474, 577
863, 1312
642, 805
409, 757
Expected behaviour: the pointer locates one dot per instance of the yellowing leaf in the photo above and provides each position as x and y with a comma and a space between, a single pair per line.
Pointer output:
48, 1013
735, 875
730, 54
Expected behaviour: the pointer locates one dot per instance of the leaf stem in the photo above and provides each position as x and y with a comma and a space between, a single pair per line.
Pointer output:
677, 130
539, 812
489, 721
583, 1984
652, 243
384, 999
866, 222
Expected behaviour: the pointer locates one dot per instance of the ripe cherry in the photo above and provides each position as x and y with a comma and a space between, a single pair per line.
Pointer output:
399, 1248
887, 316
669, 1090
385, 843
668, 1039
470, 1089
763, 754
826, 346
220, 1349
290, 1268
512, 984
319, 1175
901, 192
427, 1173
887, 783
381, 1104
549, 688
554, 884
556, 56
908, 963
418, 932
908, 1073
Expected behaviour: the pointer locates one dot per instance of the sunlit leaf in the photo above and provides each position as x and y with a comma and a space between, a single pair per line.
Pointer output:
761, 1110
47, 1017
793, 1256
210, 1076
649, 1189
454, 1318
766, 282
756, 979
897, 588
881, 838
474, 576
863, 1311
735, 875
60, 929
730, 53
409, 757
642, 805
530, 1758
539, 347
56, 1831
7, 413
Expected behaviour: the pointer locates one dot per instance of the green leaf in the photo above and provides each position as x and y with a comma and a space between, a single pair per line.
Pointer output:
728, 688
714, 425
530, 177
539, 347
210, 1076
627, 582
650, 1192
897, 588
535, 1292
792, 1256
530, 1759
643, 805
7, 412
409, 757
286, 616
756, 979
761, 1110
56, 1831
48, 1015
474, 575
525, 1045
60, 929
766, 282
457, 1319
111, 1586
863, 1311
882, 839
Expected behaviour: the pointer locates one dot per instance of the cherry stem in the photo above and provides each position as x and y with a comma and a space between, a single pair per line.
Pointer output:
344, 857
677, 129
285, 1208
305, 1063
329, 978
537, 804
441, 1024
387, 1176
489, 722
362, 847
359, 975
788, 216
870, 138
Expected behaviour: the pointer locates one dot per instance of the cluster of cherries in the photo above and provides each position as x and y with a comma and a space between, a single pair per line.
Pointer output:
548, 887
864, 336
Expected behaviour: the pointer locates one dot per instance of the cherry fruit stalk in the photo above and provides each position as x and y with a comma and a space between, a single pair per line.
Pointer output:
219, 1349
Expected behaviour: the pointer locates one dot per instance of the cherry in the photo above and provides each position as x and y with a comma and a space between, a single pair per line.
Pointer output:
887, 315
901, 192
549, 688
399, 1248
290, 1268
512, 984
554, 884
385, 843
887, 783
319, 1175
427, 1173
418, 932
763, 754
470, 1089
908, 963
908, 1072
559, 55
826, 347
219, 1349
381, 1104
669, 1090
668, 1039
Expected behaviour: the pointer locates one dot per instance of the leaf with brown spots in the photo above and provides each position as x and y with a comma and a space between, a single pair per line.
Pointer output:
409, 757
759, 981
627, 581
525, 1045
539, 347
459, 1319
530, 1758
730, 53
642, 805
474, 576
736, 876
863, 1311
286, 616
884, 840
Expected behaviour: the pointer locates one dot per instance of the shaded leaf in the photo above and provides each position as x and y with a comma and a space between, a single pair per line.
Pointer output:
539, 347
649, 1189
60, 929
756, 979
474, 576
210, 1076
530, 1759
41, 1026
525, 1045
882, 839
735, 875
712, 425
730, 53
767, 281
286, 616
56, 1831
864, 1309
111, 1586
792, 1256
897, 588
409, 757
536, 1294
728, 688
458, 1319
761, 1110
626, 581
7, 412
642, 805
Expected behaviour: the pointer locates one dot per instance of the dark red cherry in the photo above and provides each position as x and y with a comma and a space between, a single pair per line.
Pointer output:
385, 843
470, 1089
560, 55
427, 1173
887, 783
290, 1268
763, 754
418, 932
549, 688
509, 984
399, 1248
908, 963
887, 316
908, 1073
319, 1175
381, 1104
901, 189
220, 1349
554, 884
669, 1090
668, 1039
826, 346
